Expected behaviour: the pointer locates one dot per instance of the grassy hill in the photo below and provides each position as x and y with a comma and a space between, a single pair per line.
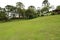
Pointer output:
42, 28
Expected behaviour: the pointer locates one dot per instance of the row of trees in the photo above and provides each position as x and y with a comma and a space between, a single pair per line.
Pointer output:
29, 13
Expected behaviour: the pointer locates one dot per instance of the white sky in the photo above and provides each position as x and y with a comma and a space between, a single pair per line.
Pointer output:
36, 3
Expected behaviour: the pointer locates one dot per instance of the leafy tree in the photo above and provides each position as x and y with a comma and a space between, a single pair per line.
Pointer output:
2, 14
58, 7
45, 3
20, 5
31, 12
38, 11
23, 13
56, 11
20, 8
46, 7
9, 8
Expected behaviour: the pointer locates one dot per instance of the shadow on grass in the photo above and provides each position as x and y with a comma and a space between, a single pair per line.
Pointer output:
11, 20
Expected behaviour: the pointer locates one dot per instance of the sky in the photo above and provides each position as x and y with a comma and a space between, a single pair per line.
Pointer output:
36, 3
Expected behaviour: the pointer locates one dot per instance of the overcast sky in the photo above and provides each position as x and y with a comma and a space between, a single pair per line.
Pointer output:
36, 3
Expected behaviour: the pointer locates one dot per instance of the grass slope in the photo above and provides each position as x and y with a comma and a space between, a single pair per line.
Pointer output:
42, 28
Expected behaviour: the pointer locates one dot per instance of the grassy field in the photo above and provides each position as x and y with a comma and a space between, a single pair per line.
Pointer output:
42, 28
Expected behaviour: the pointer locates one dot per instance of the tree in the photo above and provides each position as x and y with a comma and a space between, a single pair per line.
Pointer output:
20, 8
58, 7
38, 11
23, 12
44, 10
56, 11
2, 14
20, 5
9, 8
45, 3
31, 12
46, 7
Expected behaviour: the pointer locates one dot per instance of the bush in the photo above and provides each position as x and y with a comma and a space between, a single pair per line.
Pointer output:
54, 13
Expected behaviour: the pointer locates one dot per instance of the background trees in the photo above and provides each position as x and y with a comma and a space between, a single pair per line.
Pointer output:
29, 13
58, 7
56, 11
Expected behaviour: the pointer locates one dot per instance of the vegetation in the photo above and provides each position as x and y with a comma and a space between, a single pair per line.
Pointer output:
56, 11
20, 8
19, 11
30, 12
2, 15
58, 7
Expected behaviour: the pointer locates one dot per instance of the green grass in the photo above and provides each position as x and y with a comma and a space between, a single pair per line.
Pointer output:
42, 28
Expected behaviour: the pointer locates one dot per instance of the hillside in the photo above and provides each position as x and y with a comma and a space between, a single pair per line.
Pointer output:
42, 28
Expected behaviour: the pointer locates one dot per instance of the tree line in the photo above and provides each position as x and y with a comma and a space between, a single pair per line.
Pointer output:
18, 11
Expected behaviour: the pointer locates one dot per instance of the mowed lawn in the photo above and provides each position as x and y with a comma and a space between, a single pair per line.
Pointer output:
42, 28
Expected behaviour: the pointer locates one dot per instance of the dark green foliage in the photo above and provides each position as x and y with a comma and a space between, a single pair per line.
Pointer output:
56, 11
10, 8
58, 7
31, 12
3, 16
53, 13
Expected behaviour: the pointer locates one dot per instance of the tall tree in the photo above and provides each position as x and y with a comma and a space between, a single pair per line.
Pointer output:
38, 11
20, 7
46, 7
45, 3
